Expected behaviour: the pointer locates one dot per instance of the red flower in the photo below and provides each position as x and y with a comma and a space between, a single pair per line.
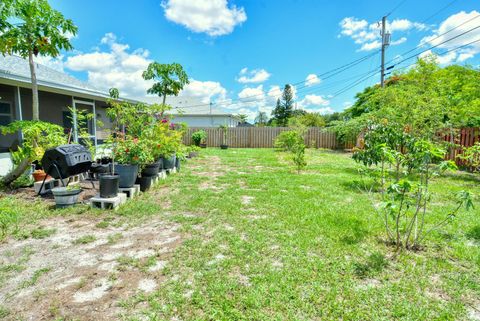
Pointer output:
127, 150
164, 121
158, 145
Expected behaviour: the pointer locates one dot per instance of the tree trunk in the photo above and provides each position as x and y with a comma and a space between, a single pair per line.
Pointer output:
35, 108
16, 172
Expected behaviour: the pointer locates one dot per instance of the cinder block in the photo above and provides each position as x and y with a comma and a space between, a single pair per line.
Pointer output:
49, 184
108, 203
131, 192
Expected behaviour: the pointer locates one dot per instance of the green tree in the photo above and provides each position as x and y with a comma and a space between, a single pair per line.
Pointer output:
284, 108
261, 119
30, 28
171, 78
242, 118
309, 120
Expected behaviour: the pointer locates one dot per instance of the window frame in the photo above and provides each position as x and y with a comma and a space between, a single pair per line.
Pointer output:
11, 110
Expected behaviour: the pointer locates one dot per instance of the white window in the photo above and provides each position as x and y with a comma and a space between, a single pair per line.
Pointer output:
5, 113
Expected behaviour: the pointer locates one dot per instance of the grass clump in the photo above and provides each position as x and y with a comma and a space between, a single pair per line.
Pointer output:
35, 277
42, 233
85, 239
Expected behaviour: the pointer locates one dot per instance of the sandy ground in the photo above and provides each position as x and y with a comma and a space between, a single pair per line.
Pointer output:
58, 276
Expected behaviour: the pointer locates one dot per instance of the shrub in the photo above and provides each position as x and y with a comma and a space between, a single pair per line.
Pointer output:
471, 157
199, 137
405, 192
286, 140
298, 151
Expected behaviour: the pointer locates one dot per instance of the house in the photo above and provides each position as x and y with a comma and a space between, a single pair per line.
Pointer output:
57, 92
195, 113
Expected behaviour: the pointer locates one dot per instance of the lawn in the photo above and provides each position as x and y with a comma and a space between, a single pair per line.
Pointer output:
260, 242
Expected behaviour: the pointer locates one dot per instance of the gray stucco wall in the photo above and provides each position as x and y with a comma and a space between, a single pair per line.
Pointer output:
52, 107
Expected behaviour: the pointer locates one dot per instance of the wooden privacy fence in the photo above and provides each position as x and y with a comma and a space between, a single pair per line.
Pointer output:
461, 138
261, 137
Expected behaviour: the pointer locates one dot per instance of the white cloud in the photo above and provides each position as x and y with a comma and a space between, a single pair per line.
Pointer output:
253, 76
205, 91
274, 93
314, 100
252, 94
467, 52
311, 80
115, 67
367, 35
315, 103
54, 63
95, 61
213, 17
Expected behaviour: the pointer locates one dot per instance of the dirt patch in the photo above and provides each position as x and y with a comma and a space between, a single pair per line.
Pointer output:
246, 200
58, 276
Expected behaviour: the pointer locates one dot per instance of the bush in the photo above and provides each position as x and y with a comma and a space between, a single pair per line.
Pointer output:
286, 140
199, 137
471, 157
405, 191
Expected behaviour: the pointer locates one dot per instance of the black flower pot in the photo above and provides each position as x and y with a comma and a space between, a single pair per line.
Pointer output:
127, 174
169, 162
160, 164
203, 145
151, 169
177, 164
145, 182
224, 146
108, 185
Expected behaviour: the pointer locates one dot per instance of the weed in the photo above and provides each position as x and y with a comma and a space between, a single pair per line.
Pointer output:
42, 233
85, 239
102, 224
375, 263
34, 279
114, 238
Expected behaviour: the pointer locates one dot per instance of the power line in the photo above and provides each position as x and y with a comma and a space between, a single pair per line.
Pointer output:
435, 46
396, 7
326, 75
436, 13
375, 71
438, 36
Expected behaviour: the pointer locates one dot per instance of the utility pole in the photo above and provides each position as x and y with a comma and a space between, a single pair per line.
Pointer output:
211, 117
385, 43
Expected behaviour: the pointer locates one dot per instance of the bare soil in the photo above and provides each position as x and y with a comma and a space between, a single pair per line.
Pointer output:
61, 277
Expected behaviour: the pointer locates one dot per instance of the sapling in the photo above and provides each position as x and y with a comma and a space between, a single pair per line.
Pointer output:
405, 191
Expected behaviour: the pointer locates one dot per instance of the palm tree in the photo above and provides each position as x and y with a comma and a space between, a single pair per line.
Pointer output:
261, 119
242, 118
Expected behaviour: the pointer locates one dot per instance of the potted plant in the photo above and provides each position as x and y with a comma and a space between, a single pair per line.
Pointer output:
224, 129
66, 196
199, 138
129, 154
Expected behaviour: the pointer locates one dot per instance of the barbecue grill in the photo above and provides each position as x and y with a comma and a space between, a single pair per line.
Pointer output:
65, 161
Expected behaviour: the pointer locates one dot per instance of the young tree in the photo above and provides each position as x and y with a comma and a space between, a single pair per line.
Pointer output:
31, 27
171, 79
242, 118
261, 119
284, 108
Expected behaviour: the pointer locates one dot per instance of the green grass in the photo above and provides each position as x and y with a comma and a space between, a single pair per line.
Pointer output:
35, 277
264, 243
85, 239
306, 246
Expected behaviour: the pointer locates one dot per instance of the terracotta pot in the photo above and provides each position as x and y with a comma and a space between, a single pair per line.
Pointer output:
39, 175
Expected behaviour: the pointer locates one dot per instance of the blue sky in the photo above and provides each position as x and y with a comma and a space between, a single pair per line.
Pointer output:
238, 53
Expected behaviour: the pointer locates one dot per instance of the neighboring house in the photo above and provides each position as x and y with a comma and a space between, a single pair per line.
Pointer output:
195, 113
57, 92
